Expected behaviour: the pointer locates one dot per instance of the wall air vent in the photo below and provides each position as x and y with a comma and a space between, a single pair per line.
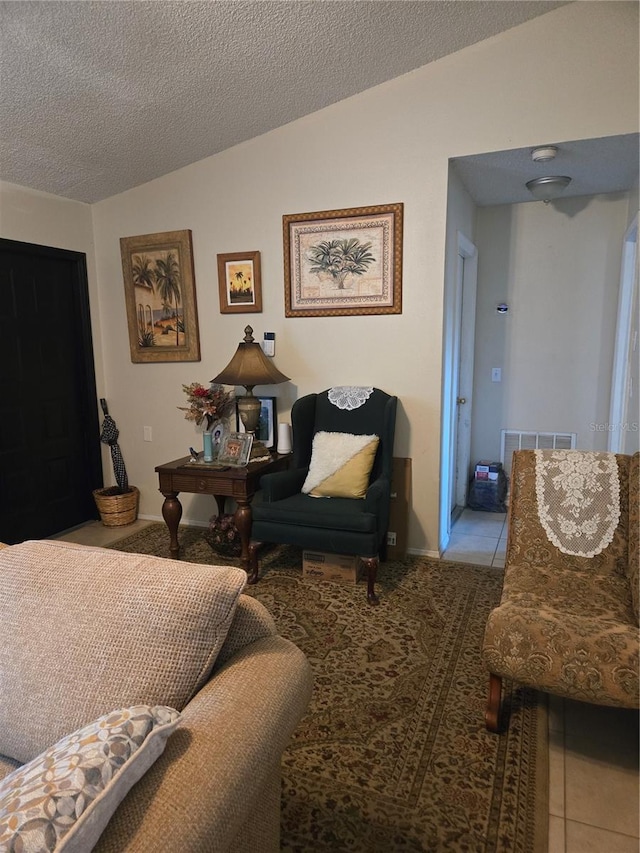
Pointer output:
512, 439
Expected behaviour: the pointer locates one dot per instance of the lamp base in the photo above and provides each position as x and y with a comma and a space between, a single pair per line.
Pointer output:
259, 451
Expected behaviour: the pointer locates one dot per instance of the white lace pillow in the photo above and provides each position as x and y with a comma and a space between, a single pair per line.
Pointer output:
64, 798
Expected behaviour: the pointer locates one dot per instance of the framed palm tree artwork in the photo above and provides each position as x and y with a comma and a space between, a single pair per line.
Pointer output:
240, 283
343, 262
160, 295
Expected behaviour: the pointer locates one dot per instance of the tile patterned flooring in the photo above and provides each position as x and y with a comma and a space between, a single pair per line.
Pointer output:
593, 751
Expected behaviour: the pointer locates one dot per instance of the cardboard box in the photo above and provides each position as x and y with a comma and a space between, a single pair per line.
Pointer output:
330, 567
399, 508
487, 470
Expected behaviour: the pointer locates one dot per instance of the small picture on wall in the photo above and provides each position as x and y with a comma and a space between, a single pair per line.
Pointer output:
240, 283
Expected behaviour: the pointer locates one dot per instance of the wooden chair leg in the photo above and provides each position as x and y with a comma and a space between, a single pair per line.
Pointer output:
372, 570
252, 574
492, 714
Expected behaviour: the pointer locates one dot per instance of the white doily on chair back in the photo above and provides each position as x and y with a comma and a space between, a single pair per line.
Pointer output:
578, 496
349, 396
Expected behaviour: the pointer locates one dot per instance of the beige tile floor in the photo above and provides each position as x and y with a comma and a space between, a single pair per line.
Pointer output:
593, 751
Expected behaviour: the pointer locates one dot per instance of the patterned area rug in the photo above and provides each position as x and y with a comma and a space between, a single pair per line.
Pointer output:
393, 754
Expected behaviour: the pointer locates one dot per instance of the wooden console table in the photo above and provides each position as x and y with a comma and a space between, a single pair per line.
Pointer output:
241, 484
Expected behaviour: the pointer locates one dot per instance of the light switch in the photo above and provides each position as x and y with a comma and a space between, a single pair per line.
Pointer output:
496, 374
147, 434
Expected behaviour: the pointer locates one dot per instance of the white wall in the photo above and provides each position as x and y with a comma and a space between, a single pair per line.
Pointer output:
557, 266
391, 143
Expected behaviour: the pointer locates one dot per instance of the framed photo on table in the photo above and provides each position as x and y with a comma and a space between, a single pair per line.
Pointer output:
235, 449
266, 432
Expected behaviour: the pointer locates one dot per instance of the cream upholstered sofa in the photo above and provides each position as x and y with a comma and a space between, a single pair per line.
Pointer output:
567, 622
88, 630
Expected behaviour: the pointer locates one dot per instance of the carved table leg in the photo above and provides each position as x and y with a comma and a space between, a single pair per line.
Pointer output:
172, 513
243, 518
254, 547
372, 570
492, 714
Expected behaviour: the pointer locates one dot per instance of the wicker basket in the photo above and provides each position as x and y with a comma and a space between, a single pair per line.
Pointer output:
116, 510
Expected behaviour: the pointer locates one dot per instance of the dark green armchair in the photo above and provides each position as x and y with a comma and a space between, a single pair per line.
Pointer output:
282, 513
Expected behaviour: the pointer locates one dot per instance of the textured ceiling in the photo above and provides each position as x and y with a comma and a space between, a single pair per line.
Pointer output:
98, 97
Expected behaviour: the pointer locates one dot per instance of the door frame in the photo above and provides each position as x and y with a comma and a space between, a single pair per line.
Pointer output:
459, 324
467, 321
620, 376
89, 413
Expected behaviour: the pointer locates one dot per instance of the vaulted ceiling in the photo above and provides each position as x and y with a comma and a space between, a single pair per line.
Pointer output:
98, 97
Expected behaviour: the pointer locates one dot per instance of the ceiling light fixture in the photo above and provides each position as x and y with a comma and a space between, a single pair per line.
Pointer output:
546, 189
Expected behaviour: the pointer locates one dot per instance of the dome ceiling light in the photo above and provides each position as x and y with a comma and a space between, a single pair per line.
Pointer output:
546, 189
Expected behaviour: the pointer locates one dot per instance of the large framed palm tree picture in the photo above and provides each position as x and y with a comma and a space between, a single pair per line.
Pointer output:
343, 262
160, 294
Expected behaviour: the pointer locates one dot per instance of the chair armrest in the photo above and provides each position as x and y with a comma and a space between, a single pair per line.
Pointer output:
378, 492
210, 779
377, 500
282, 484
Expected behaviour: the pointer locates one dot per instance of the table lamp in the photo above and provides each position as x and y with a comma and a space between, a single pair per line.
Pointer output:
249, 367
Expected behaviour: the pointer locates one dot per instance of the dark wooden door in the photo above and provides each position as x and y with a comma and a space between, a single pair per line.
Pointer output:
49, 429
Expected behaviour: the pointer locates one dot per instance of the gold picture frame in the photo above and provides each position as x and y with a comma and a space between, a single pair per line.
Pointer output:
240, 283
160, 295
343, 262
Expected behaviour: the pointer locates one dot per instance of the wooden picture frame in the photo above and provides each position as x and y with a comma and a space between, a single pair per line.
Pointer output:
240, 283
235, 449
267, 429
160, 296
343, 262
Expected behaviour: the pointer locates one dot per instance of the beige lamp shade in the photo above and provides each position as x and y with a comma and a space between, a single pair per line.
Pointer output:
250, 366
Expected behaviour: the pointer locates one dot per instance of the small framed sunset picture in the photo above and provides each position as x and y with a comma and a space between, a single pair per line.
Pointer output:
240, 283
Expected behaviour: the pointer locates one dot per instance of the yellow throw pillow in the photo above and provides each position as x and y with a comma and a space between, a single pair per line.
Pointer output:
340, 465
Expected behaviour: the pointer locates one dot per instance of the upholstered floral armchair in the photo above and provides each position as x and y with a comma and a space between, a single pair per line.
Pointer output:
567, 622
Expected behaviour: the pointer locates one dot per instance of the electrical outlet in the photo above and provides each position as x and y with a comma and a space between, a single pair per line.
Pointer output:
148, 436
496, 374
391, 538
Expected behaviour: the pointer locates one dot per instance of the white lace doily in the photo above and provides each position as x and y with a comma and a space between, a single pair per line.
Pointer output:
578, 496
349, 396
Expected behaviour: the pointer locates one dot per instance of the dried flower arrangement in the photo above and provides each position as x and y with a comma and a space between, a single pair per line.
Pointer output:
208, 404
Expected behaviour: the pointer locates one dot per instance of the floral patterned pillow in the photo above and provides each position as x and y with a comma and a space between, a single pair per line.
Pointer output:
64, 798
